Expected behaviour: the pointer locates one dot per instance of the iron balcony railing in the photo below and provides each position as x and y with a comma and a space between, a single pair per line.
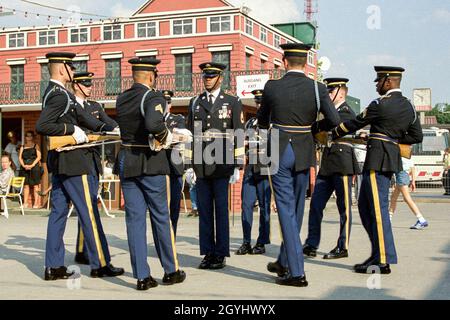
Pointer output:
104, 89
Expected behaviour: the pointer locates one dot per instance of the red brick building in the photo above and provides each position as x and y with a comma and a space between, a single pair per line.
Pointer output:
182, 34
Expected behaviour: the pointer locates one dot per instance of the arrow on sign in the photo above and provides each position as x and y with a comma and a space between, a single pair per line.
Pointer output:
244, 93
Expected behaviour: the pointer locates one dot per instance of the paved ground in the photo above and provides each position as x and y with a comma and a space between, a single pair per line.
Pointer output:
423, 272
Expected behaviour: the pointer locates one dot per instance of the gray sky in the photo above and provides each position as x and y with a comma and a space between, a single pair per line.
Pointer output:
354, 34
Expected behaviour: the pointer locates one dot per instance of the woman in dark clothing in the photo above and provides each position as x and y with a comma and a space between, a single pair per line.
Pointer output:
30, 158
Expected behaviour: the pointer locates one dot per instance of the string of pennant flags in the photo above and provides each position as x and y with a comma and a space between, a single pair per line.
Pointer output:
58, 19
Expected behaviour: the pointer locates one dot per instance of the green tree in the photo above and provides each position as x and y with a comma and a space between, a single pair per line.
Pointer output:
442, 113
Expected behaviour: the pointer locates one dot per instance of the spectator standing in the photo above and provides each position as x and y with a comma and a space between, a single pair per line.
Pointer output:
446, 174
30, 158
12, 149
403, 182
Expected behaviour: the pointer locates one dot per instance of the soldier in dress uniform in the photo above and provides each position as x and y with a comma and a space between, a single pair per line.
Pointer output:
82, 87
74, 174
144, 174
393, 121
255, 187
175, 161
211, 114
291, 105
336, 172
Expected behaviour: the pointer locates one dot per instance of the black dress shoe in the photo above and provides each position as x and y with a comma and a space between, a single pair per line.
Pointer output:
292, 281
259, 249
218, 263
206, 262
309, 251
368, 262
108, 271
373, 268
57, 273
336, 253
276, 267
176, 277
245, 248
81, 259
147, 283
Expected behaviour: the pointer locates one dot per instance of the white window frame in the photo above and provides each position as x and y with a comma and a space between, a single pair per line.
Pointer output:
136, 27
276, 36
24, 39
263, 32
88, 30
38, 44
194, 27
220, 23
247, 21
311, 56
112, 32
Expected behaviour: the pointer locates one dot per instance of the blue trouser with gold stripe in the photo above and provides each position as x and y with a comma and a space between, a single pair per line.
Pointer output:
212, 196
81, 243
176, 190
142, 193
373, 205
322, 192
289, 187
256, 187
82, 191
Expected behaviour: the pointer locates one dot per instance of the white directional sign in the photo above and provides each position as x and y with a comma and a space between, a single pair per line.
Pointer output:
422, 99
246, 84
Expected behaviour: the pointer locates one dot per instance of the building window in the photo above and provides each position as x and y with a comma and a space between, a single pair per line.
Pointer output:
311, 58
311, 75
112, 32
17, 40
146, 30
263, 35
249, 27
276, 41
45, 78
220, 24
47, 38
79, 35
81, 66
263, 64
17, 80
183, 71
224, 58
248, 62
113, 77
181, 27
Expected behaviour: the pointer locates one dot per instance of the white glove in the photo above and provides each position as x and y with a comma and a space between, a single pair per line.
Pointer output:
187, 135
116, 131
190, 176
79, 135
235, 177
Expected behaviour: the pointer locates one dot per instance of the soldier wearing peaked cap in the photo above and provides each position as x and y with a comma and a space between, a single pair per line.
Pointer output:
393, 121
337, 168
74, 174
144, 174
290, 105
82, 87
176, 157
211, 114
255, 187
